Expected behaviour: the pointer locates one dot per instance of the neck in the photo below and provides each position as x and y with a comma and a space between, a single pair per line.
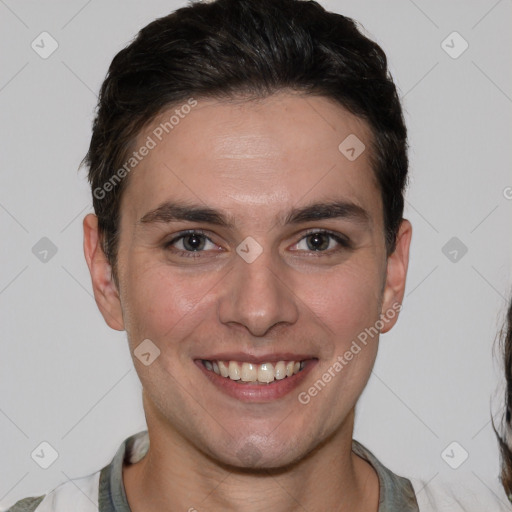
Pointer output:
175, 475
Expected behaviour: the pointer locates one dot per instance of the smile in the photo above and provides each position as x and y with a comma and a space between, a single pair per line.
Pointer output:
256, 378
244, 372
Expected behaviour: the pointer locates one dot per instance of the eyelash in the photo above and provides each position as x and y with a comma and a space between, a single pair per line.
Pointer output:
343, 242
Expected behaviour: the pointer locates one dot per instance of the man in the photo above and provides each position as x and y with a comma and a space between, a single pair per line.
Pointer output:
248, 163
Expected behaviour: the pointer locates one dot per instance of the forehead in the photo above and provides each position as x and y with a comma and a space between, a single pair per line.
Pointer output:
239, 155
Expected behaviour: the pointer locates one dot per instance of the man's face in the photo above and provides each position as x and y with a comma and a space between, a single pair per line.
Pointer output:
267, 286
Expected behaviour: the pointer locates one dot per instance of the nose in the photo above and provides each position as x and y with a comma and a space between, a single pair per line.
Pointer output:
258, 296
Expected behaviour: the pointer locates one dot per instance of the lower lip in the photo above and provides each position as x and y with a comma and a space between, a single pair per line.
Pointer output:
257, 392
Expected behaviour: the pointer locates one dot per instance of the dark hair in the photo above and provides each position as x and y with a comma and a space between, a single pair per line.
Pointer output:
229, 49
505, 437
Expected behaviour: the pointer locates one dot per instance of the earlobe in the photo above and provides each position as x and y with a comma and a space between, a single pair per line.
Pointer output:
104, 287
396, 276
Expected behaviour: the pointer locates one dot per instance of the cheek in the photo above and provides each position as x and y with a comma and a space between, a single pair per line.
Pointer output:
166, 308
349, 306
348, 300
156, 300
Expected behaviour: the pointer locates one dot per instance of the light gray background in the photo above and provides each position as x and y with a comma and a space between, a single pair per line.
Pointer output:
67, 379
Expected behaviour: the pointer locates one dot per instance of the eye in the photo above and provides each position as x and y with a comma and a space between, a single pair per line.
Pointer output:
189, 243
323, 242
192, 243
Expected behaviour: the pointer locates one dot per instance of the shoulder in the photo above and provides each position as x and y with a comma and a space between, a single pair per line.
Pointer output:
469, 494
26, 504
86, 493
79, 495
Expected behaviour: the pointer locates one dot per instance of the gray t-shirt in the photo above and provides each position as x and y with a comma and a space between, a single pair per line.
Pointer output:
396, 493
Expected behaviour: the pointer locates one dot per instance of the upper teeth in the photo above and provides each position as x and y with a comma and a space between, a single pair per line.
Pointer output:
251, 372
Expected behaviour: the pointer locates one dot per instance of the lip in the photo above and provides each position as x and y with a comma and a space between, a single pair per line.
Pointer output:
243, 357
257, 393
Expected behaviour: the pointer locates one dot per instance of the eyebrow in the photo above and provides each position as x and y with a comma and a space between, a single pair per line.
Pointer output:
175, 212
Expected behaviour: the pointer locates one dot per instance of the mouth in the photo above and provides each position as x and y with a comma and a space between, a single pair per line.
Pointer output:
252, 373
257, 381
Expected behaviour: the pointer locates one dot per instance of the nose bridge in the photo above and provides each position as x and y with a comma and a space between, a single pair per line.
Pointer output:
257, 295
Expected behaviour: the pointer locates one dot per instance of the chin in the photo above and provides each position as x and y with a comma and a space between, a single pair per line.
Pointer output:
257, 454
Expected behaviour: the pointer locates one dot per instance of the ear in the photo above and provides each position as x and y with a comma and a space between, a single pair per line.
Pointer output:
105, 289
396, 275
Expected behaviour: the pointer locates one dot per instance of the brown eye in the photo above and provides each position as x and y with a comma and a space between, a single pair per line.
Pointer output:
190, 244
322, 242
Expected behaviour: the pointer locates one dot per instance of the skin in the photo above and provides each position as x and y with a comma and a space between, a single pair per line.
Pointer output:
254, 161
